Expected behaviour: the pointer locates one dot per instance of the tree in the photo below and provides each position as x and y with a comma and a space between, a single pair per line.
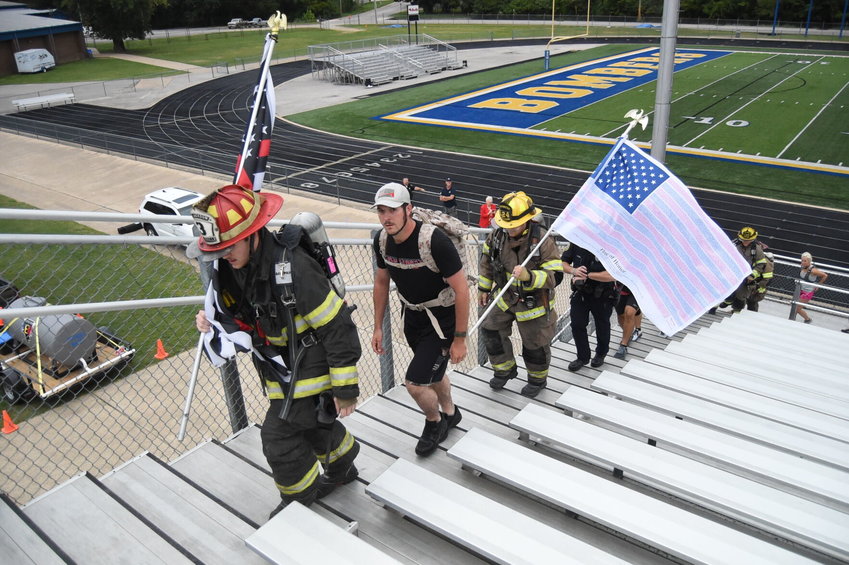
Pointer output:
115, 19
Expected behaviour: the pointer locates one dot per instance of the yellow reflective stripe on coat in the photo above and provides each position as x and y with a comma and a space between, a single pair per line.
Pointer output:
485, 249
339, 452
303, 388
502, 304
553, 265
537, 280
343, 376
302, 485
531, 314
283, 339
484, 282
768, 275
326, 311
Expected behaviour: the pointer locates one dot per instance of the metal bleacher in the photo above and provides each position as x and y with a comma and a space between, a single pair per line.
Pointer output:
684, 457
382, 60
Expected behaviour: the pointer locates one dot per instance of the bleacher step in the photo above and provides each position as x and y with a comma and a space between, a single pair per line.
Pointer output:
86, 522
20, 544
197, 522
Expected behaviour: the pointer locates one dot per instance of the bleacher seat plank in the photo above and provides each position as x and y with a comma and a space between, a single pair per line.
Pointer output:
782, 345
41, 101
751, 387
828, 378
476, 522
774, 434
802, 521
803, 333
685, 535
811, 394
297, 535
821, 483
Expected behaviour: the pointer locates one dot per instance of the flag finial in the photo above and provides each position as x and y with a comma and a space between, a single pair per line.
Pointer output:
277, 21
637, 117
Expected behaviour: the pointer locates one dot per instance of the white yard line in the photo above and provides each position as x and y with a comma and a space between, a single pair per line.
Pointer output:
700, 89
728, 117
826, 105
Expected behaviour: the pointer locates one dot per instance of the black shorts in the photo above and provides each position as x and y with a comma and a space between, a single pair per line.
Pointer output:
430, 353
627, 300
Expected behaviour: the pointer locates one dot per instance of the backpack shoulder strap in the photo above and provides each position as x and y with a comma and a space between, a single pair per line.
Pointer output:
425, 246
381, 243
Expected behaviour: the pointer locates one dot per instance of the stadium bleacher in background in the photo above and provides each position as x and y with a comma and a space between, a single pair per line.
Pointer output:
381, 60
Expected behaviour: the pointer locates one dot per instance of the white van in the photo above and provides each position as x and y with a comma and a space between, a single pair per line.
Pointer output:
34, 61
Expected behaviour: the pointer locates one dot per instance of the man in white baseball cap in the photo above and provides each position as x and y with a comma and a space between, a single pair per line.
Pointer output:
435, 298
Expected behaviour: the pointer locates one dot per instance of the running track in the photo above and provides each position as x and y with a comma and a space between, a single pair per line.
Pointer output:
205, 123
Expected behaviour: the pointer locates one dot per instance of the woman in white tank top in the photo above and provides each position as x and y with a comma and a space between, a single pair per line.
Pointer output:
809, 274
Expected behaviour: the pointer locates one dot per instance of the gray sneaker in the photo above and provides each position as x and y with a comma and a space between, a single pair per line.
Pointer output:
638, 333
621, 352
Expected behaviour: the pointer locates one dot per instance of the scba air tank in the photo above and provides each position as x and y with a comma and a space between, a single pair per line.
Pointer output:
314, 228
63, 338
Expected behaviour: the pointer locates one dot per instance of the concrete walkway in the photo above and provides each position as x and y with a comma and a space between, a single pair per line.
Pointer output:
175, 65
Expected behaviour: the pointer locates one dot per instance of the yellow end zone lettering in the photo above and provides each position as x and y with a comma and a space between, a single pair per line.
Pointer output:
516, 105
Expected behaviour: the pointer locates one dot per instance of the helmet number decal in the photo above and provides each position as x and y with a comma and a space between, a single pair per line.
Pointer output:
207, 227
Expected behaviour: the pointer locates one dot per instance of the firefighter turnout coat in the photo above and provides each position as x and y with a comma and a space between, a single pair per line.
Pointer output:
501, 253
322, 321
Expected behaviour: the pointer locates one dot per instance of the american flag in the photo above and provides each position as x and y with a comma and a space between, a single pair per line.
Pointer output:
256, 143
646, 228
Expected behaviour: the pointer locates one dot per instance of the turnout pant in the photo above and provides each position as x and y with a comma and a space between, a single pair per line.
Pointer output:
295, 447
583, 304
536, 342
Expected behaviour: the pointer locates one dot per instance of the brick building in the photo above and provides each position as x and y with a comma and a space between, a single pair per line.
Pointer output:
24, 28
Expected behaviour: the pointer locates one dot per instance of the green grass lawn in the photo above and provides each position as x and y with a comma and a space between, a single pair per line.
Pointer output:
357, 119
73, 274
236, 47
88, 70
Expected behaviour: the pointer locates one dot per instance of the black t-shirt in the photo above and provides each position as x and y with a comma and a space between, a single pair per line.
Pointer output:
419, 284
449, 192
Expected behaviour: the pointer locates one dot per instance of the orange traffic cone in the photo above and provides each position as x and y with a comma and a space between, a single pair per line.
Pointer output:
8, 425
160, 350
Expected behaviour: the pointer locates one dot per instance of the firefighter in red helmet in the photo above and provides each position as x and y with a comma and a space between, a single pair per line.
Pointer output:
266, 287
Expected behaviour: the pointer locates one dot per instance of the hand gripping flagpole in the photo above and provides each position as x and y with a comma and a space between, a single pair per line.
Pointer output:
276, 22
637, 117
509, 282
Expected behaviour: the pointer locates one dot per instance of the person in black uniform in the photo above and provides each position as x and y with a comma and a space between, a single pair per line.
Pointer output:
593, 292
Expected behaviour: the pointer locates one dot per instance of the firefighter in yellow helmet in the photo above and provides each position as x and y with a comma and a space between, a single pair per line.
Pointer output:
753, 289
264, 287
529, 300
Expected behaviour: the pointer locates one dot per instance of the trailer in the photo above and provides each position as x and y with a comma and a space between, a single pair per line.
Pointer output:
42, 357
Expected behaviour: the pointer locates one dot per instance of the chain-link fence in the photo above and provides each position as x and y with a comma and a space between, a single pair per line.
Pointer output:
71, 422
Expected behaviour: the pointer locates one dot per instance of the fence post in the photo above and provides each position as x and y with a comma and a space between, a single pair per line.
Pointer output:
797, 290
387, 360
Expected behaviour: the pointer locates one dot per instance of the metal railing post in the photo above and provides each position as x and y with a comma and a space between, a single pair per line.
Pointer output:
387, 360
797, 290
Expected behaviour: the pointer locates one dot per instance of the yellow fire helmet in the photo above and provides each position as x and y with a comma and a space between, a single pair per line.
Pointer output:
747, 234
514, 210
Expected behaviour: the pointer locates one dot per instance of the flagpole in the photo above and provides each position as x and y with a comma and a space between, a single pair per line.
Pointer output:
275, 22
638, 117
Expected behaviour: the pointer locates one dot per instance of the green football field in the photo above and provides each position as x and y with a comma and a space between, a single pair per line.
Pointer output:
743, 110
773, 105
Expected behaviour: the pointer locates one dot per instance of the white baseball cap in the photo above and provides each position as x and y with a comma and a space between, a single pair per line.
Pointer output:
392, 194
